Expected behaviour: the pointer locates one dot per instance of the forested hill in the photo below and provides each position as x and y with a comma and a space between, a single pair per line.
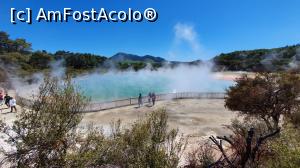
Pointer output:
121, 57
276, 59
16, 55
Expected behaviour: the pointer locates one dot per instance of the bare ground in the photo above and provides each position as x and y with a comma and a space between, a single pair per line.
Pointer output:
195, 118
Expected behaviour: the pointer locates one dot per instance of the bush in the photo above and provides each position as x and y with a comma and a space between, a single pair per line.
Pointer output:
295, 118
201, 157
146, 144
285, 149
14, 58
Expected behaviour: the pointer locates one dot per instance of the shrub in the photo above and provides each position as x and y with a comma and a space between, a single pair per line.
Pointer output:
14, 58
201, 157
246, 147
43, 134
285, 149
295, 118
147, 143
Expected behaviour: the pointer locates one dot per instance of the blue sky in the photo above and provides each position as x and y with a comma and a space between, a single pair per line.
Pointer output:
185, 30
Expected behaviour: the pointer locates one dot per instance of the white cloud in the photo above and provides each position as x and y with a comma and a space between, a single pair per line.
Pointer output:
186, 35
185, 32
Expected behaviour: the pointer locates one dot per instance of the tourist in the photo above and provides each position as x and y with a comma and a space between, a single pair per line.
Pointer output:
7, 99
153, 98
13, 104
1, 100
140, 100
149, 97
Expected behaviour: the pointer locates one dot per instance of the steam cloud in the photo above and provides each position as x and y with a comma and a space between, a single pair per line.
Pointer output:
269, 58
117, 85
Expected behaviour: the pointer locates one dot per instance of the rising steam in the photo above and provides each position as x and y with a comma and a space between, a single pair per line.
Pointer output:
117, 85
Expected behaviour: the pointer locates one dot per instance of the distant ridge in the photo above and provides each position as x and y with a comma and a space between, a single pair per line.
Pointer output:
119, 57
260, 60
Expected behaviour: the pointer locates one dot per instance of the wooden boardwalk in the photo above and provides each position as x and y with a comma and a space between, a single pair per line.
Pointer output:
98, 106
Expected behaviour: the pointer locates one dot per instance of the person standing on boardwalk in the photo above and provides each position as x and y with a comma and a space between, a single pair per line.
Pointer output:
153, 98
13, 104
140, 100
149, 97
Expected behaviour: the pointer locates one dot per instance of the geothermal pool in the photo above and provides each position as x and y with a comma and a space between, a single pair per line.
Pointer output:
120, 85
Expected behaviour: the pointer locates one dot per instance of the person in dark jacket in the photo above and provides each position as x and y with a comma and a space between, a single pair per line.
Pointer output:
149, 97
7, 98
140, 100
153, 98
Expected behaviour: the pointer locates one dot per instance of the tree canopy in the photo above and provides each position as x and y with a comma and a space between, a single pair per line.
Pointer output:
9, 45
267, 96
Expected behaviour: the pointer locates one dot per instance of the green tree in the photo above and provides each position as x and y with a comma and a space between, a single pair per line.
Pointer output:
4, 41
266, 96
40, 60
8, 45
80, 60
20, 45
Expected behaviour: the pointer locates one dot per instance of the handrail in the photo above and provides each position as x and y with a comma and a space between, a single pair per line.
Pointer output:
99, 106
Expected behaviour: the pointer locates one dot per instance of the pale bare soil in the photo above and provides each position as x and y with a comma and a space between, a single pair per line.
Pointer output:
229, 75
196, 118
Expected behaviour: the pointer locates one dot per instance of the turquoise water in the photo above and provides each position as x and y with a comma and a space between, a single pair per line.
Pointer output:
118, 86
114, 86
